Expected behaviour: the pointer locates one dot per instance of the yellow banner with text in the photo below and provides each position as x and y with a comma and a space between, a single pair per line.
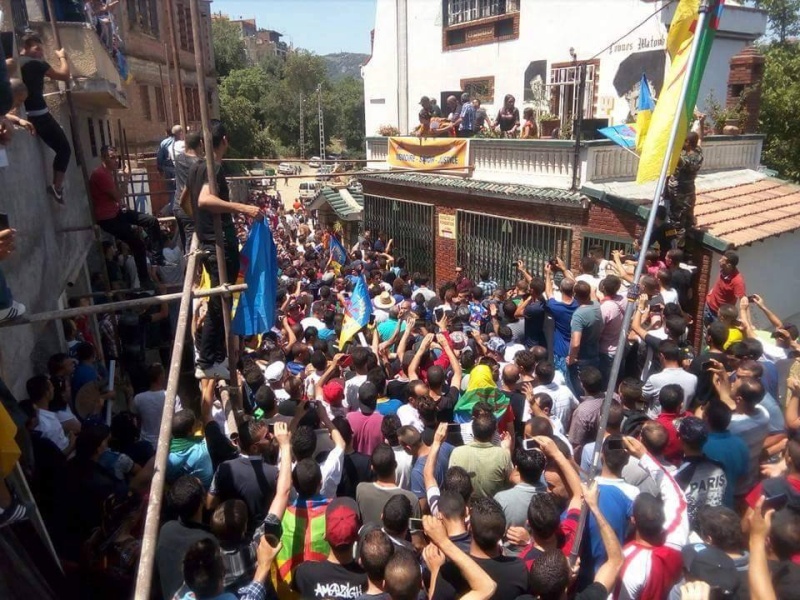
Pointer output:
427, 153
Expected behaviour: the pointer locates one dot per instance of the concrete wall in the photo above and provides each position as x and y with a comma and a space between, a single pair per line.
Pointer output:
45, 260
547, 31
772, 271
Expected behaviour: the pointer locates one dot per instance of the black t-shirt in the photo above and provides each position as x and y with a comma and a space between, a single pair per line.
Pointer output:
355, 469
249, 479
203, 219
325, 580
663, 236
220, 448
33, 71
508, 572
682, 282
534, 324
705, 391
596, 591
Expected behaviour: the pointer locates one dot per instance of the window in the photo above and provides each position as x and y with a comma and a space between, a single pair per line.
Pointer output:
476, 22
102, 133
108, 128
144, 95
607, 243
462, 11
161, 109
481, 88
192, 103
92, 138
564, 84
184, 18
143, 16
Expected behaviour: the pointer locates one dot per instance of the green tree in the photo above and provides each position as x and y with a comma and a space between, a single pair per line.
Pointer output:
229, 51
783, 17
779, 108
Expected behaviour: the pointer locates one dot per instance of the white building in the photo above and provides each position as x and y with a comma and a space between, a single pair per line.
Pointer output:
491, 48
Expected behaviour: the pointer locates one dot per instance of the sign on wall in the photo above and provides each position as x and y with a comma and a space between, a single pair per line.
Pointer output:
447, 226
427, 153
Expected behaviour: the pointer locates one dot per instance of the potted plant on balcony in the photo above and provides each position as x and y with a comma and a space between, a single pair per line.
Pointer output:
549, 124
728, 120
388, 130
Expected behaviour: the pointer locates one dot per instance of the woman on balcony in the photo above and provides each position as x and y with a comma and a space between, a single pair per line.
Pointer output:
33, 69
507, 122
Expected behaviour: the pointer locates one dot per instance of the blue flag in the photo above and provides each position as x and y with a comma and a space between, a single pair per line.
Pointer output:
338, 253
623, 135
256, 310
356, 311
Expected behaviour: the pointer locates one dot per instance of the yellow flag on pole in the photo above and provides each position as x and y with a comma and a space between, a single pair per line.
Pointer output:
679, 43
9, 451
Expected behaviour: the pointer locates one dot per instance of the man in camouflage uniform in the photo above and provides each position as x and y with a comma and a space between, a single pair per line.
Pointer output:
680, 192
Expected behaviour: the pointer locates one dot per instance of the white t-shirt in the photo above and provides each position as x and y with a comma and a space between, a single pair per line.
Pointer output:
51, 428
564, 403
670, 296
312, 322
656, 381
150, 406
408, 415
351, 386
403, 472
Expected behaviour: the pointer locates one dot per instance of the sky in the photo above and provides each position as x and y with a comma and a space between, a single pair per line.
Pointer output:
322, 26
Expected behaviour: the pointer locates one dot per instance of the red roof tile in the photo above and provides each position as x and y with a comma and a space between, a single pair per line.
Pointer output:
749, 213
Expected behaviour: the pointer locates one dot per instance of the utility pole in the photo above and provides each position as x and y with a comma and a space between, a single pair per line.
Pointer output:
578, 117
302, 130
321, 123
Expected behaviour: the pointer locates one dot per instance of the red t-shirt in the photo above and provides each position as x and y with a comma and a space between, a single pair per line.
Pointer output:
758, 491
727, 290
101, 188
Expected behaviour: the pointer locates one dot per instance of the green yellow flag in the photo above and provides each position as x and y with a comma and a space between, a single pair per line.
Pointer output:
679, 43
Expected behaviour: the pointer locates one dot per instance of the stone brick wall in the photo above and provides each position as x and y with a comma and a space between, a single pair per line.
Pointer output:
595, 219
744, 79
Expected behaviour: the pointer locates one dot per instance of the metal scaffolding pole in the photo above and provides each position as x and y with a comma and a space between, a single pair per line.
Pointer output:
147, 556
176, 63
633, 293
205, 115
112, 307
80, 157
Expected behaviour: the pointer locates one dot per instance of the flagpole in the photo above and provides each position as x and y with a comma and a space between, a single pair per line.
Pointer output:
633, 293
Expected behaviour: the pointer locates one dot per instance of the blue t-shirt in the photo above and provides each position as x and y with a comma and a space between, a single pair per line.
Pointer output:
83, 374
442, 462
562, 315
732, 452
388, 407
616, 505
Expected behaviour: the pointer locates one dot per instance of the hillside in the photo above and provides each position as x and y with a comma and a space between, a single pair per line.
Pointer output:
345, 64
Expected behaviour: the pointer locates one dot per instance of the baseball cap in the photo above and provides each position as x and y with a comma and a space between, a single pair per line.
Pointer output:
692, 430
342, 522
495, 344
424, 100
333, 392
709, 564
274, 372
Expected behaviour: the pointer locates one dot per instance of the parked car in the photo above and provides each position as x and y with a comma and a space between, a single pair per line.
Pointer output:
355, 186
324, 173
314, 163
286, 169
309, 190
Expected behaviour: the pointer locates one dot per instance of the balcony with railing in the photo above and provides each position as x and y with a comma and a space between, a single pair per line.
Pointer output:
549, 163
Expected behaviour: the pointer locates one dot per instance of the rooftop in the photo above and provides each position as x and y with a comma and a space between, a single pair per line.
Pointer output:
347, 204
483, 188
734, 208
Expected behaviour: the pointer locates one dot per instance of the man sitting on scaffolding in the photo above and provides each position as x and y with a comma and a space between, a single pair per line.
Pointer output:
212, 361
124, 224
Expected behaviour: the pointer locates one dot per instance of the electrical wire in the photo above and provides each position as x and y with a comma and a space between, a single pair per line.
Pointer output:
619, 39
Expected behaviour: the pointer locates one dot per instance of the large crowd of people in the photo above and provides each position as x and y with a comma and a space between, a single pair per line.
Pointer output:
446, 450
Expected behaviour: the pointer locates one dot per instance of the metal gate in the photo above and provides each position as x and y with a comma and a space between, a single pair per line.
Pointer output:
496, 243
607, 243
409, 224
